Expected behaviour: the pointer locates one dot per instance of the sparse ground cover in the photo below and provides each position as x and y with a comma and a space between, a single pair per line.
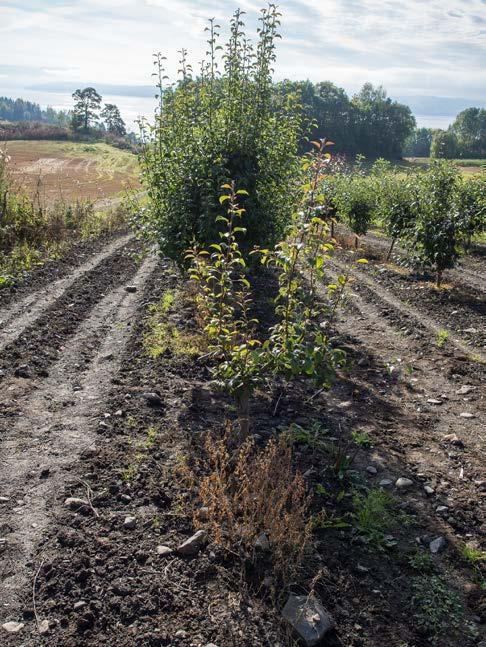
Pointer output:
468, 167
395, 412
70, 171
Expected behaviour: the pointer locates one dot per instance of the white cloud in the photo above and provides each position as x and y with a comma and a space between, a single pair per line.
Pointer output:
411, 46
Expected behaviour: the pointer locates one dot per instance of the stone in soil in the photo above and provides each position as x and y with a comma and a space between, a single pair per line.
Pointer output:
76, 504
466, 414
131, 288
262, 542
153, 399
429, 491
465, 389
129, 523
192, 545
13, 627
308, 618
386, 483
371, 469
403, 483
163, 551
437, 545
441, 509
43, 627
22, 371
4, 499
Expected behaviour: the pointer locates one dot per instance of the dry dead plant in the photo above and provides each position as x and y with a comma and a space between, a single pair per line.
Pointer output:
253, 492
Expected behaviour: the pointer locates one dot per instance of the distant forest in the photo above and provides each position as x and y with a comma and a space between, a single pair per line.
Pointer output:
368, 123
21, 110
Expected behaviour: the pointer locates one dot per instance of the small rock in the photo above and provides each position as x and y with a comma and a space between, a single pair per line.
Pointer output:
203, 513
180, 633
434, 401
22, 371
73, 503
308, 617
362, 569
153, 399
129, 523
193, 545
429, 491
386, 483
441, 509
126, 498
371, 469
403, 483
262, 542
163, 551
79, 605
131, 288
437, 545
13, 627
345, 405
471, 331
4, 499
464, 390
43, 627
466, 414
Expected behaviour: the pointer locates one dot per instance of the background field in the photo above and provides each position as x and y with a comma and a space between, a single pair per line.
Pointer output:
71, 170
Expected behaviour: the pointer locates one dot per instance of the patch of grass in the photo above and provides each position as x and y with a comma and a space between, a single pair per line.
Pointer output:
130, 471
361, 438
373, 517
313, 437
472, 554
438, 610
422, 562
442, 337
164, 336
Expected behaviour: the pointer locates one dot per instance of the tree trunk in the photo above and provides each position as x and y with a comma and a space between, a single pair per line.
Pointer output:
439, 278
243, 411
332, 227
391, 249
356, 241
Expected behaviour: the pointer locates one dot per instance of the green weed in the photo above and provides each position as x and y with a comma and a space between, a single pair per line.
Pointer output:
361, 438
442, 337
438, 610
373, 517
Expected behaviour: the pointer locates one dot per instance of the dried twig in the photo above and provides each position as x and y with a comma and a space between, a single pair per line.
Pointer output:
33, 593
89, 498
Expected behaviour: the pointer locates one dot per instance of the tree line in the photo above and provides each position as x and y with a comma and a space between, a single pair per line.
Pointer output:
87, 113
465, 138
369, 122
22, 110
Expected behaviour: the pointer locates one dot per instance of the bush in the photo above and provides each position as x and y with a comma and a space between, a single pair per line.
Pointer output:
471, 208
217, 127
355, 203
434, 241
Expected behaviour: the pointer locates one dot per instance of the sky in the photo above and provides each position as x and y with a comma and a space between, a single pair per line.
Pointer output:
430, 54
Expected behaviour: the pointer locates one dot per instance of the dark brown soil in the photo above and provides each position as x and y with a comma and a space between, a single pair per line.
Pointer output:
98, 583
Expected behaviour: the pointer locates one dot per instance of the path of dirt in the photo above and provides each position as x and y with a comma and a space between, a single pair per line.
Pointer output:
25, 312
55, 424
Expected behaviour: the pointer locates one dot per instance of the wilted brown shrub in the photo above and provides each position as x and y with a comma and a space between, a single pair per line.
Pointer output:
254, 492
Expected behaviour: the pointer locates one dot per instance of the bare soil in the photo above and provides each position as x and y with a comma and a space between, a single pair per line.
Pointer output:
74, 422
